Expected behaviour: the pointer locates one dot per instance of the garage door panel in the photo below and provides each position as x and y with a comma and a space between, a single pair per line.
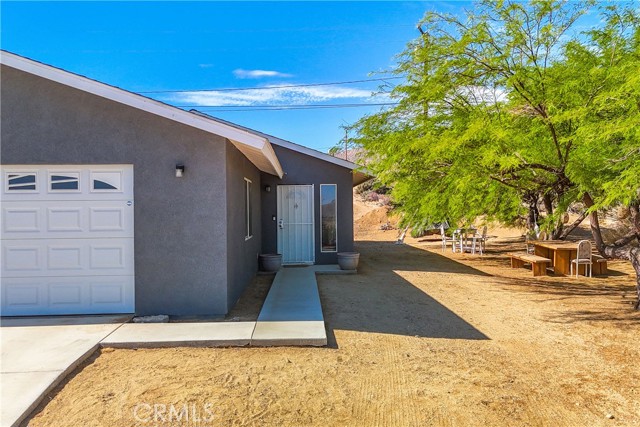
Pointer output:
65, 219
107, 293
64, 258
21, 259
65, 294
68, 295
108, 218
18, 220
67, 257
27, 294
109, 256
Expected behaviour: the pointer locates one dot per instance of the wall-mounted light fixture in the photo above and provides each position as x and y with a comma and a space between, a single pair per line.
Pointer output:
267, 188
179, 171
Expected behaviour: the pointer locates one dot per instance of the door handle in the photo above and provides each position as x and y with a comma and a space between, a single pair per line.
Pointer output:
281, 224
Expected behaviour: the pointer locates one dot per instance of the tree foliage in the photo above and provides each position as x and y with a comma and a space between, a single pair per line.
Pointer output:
512, 106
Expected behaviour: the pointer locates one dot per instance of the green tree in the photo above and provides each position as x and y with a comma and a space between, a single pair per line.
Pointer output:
509, 107
605, 165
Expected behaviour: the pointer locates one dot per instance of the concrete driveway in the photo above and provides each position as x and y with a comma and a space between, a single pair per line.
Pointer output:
37, 353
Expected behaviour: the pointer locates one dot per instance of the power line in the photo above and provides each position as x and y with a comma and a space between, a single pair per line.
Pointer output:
219, 108
272, 87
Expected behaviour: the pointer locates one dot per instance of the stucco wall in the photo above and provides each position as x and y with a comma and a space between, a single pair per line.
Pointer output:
180, 232
242, 255
303, 169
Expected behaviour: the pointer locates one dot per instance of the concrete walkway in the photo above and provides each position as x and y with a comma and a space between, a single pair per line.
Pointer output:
38, 353
291, 313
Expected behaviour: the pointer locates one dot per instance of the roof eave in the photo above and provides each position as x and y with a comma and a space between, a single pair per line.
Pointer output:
360, 176
263, 156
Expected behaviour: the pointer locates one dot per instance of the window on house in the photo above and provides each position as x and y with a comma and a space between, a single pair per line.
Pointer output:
248, 210
106, 181
64, 181
19, 181
329, 217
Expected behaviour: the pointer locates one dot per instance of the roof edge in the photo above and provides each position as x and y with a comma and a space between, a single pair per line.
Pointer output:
122, 96
295, 147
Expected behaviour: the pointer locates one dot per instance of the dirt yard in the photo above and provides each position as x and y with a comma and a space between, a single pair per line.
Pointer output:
418, 338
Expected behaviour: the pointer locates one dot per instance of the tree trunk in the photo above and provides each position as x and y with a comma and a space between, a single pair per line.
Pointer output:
565, 231
622, 248
534, 214
557, 232
548, 204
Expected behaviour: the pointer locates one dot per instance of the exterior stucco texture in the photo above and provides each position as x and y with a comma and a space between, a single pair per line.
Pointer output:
242, 252
183, 262
302, 169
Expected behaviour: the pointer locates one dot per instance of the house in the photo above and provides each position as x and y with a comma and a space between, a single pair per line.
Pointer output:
116, 203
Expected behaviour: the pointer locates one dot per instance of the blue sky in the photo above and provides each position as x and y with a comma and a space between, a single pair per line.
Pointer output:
167, 46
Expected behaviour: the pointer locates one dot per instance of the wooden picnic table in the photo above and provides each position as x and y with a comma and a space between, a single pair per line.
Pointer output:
559, 252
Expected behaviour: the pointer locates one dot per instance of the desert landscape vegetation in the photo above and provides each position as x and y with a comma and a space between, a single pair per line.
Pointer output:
418, 337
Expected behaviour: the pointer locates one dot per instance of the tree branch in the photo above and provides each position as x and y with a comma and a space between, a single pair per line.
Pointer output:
567, 230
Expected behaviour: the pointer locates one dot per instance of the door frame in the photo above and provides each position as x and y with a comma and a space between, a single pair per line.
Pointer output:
279, 191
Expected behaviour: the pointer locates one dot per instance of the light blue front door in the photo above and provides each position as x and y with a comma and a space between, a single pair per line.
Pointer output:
295, 224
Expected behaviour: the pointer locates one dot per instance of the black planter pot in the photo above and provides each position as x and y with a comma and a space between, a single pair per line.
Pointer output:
270, 262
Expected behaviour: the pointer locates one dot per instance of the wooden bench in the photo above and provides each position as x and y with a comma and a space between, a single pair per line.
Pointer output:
599, 265
538, 263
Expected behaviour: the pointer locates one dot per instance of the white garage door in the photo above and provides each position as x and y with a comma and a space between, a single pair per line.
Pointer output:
67, 239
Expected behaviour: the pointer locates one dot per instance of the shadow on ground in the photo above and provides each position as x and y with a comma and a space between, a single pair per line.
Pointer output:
390, 304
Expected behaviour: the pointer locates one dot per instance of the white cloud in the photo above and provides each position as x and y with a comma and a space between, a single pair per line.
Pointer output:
271, 96
258, 74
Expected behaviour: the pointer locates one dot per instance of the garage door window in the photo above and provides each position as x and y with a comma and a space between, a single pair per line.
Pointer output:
64, 182
21, 182
106, 181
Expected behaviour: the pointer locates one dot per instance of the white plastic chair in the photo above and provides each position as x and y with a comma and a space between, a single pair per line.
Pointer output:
584, 257
531, 239
446, 239
480, 240
456, 240
468, 239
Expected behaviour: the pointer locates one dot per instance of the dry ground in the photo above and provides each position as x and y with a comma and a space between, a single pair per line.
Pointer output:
417, 338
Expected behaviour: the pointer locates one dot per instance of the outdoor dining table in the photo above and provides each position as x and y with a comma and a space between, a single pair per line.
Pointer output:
466, 234
559, 252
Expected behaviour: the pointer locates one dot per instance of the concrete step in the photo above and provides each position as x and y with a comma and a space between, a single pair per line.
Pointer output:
202, 334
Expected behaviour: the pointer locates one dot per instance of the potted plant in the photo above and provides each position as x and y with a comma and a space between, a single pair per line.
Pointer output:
348, 260
270, 262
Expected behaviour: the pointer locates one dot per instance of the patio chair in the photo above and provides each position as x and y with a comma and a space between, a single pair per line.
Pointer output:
480, 240
456, 240
533, 237
468, 238
529, 238
446, 239
583, 257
